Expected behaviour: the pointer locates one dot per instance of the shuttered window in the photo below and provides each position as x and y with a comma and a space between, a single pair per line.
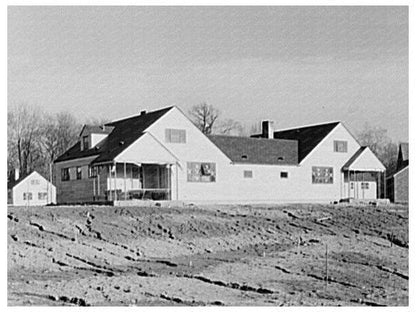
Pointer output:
175, 135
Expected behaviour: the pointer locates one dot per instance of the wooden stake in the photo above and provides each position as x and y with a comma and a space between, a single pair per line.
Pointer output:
326, 265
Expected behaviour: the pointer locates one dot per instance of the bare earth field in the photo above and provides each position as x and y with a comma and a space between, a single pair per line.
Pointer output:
213, 255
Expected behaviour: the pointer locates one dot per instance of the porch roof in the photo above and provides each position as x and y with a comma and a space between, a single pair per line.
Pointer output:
364, 160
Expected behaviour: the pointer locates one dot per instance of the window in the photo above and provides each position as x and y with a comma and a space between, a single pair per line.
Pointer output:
27, 196
201, 172
42, 195
65, 174
284, 174
322, 175
92, 171
79, 173
248, 174
34, 182
175, 136
340, 146
365, 185
85, 142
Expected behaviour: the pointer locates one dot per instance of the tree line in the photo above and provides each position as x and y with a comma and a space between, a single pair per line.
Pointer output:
36, 138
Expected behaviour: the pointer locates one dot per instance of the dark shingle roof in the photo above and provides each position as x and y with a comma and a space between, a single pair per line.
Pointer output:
403, 157
97, 129
308, 137
404, 147
257, 151
123, 134
354, 157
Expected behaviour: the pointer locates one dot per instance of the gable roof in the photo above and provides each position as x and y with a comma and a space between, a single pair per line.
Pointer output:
308, 137
124, 133
13, 183
403, 156
364, 160
354, 157
256, 150
404, 147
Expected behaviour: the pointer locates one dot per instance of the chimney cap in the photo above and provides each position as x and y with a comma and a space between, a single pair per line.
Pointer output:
143, 112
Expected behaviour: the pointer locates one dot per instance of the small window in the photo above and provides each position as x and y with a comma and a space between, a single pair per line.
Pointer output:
341, 146
92, 171
42, 195
85, 142
65, 174
175, 135
79, 173
352, 185
34, 182
248, 174
284, 174
27, 196
322, 175
365, 185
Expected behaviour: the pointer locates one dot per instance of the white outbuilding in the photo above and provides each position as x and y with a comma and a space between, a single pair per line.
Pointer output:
31, 190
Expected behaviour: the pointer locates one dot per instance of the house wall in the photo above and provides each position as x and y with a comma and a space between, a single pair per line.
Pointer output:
34, 184
74, 191
266, 184
401, 186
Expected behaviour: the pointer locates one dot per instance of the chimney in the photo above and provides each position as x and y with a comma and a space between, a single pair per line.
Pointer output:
143, 112
267, 129
16, 174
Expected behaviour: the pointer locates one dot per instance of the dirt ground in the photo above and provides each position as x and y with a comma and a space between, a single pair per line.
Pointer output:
275, 255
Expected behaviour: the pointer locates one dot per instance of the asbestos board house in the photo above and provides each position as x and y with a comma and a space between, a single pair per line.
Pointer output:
31, 190
161, 155
398, 183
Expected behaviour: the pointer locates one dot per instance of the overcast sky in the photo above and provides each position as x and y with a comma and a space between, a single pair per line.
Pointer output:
293, 65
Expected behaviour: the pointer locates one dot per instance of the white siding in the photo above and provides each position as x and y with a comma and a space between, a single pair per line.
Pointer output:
26, 186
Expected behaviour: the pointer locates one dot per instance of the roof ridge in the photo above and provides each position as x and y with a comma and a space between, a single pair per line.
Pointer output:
249, 138
138, 115
309, 126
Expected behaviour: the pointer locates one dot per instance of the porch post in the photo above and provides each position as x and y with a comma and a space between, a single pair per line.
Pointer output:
169, 181
349, 182
115, 181
125, 187
177, 182
385, 184
109, 182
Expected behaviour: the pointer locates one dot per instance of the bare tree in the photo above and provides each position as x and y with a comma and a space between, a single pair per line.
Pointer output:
23, 127
229, 127
204, 117
380, 143
58, 133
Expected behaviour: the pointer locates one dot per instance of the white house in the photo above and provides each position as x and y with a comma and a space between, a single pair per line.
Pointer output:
31, 190
161, 155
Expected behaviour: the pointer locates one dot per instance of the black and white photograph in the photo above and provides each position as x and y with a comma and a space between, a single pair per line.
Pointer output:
206, 155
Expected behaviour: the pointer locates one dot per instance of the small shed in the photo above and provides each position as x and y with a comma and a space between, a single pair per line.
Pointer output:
31, 190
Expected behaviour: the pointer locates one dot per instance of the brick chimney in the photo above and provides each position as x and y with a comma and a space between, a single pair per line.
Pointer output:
267, 129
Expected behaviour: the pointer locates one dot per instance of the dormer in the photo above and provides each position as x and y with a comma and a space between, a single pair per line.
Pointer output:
90, 136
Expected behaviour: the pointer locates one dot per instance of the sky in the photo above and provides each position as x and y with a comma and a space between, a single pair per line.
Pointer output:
293, 65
